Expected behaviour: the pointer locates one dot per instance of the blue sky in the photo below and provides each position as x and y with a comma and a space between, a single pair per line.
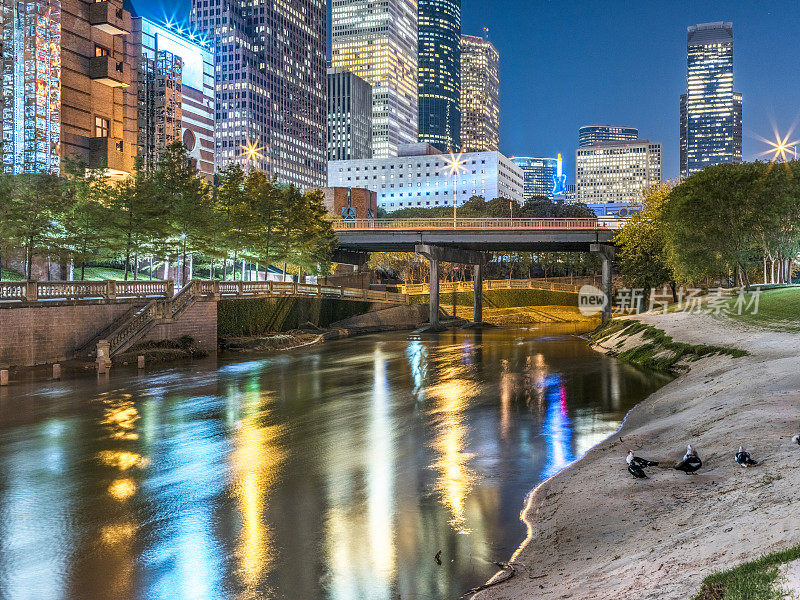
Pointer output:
570, 63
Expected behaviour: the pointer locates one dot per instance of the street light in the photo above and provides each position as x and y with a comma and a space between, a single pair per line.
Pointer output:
252, 151
455, 166
781, 147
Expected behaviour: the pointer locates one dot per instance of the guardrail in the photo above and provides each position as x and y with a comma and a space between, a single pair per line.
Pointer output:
37, 291
492, 284
447, 223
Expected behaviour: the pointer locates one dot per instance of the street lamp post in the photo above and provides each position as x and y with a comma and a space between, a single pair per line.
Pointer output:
455, 165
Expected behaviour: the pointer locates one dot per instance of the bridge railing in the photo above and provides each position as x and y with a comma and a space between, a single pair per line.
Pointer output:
492, 284
32, 291
468, 223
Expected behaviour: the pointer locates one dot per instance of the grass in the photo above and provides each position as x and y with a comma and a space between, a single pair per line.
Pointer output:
659, 352
9, 275
102, 273
778, 309
751, 581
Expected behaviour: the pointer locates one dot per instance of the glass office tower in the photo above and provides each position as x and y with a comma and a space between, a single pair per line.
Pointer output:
480, 95
710, 112
31, 86
539, 175
378, 42
440, 73
588, 135
349, 116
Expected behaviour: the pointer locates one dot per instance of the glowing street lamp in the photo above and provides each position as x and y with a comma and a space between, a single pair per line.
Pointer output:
252, 151
781, 147
455, 166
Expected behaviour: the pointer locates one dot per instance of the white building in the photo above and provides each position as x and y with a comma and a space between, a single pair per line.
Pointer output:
616, 171
419, 177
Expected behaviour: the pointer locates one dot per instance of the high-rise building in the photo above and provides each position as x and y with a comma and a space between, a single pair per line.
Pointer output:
616, 171
31, 86
480, 95
539, 175
349, 116
440, 73
711, 112
270, 85
378, 42
588, 135
175, 94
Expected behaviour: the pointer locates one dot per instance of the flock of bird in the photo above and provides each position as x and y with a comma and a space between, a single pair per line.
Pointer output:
690, 463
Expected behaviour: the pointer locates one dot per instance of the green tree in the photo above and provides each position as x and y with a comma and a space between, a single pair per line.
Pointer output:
641, 248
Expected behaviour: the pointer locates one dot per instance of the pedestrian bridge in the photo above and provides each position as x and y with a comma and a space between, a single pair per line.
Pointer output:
468, 241
486, 235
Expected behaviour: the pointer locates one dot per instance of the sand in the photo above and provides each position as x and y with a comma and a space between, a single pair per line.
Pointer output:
596, 532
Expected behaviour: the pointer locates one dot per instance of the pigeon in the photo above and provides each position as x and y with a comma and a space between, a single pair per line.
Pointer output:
691, 462
642, 462
743, 458
796, 439
634, 466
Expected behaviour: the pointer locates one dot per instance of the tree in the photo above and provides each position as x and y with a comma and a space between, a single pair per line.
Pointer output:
32, 206
87, 217
641, 248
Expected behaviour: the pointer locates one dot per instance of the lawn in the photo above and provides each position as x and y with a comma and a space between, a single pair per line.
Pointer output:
778, 309
101, 273
757, 580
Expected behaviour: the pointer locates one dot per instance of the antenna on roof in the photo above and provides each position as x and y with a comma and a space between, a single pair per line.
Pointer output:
486, 32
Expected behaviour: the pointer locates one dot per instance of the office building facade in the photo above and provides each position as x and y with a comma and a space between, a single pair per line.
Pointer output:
175, 94
349, 116
270, 85
378, 42
480, 95
415, 179
589, 135
710, 110
439, 73
539, 175
31, 86
616, 171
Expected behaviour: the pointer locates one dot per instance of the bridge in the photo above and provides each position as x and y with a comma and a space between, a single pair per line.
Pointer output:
466, 241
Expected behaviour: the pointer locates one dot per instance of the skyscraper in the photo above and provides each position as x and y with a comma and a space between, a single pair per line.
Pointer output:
589, 135
440, 73
31, 86
616, 171
270, 85
378, 42
349, 116
711, 112
480, 95
539, 175
175, 94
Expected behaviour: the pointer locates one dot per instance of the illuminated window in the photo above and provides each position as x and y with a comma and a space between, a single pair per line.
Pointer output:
101, 127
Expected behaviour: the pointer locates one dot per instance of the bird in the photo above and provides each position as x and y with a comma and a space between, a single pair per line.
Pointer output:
743, 458
635, 466
691, 462
796, 439
438, 558
642, 462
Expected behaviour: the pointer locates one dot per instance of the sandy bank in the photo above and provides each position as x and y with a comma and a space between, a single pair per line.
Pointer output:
595, 532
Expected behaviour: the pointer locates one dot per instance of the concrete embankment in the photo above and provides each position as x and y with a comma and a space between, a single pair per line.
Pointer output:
595, 532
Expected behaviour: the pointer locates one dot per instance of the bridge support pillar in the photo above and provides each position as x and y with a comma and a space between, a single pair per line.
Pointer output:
607, 255
434, 294
477, 293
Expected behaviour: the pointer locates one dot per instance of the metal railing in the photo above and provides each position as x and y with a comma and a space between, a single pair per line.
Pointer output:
492, 284
253, 289
449, 223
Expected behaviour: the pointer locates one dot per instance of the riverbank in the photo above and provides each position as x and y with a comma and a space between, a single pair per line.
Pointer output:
595, 532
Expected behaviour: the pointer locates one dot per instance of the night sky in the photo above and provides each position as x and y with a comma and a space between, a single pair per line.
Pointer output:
565, 64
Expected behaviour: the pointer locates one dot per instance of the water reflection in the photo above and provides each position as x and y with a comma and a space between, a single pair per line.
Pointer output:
335, 472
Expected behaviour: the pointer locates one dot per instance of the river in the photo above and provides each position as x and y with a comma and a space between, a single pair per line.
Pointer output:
334, 472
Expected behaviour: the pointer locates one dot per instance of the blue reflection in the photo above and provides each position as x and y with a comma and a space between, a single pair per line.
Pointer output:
418, 359
252, 366
556, 429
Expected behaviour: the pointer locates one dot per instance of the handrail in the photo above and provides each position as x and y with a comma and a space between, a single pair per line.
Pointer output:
470, 223
491, 284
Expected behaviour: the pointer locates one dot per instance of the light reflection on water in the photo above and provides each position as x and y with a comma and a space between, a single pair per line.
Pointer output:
333, 472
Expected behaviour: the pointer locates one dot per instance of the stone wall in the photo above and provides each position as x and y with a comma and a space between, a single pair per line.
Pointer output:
199, 322
49, 332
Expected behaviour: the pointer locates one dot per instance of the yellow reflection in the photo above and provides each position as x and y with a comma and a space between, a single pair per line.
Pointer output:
256, 460
117, 533
455, 477
122, 460
122, 489
120, 416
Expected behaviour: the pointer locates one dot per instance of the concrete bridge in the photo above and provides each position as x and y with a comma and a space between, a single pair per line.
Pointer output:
467, 241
